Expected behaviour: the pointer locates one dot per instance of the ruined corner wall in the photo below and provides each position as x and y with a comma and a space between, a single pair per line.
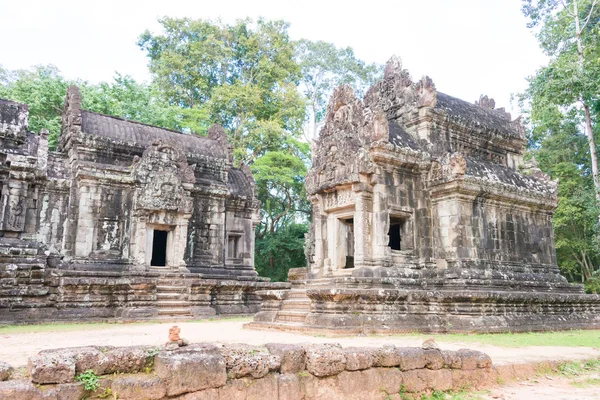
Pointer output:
275, 371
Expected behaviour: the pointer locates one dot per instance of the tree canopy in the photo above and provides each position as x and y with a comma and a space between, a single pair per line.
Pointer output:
562, 105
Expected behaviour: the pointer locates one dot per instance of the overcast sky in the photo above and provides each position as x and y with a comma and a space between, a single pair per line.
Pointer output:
468, 47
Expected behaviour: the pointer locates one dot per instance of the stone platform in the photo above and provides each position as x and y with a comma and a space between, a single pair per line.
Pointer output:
33, 292
379, 310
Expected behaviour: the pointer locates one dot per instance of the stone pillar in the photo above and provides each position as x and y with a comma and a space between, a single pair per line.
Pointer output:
318, 221
381, 227
363, 221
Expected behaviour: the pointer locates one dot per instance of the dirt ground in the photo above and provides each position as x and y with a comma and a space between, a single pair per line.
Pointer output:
556, 387
16, 348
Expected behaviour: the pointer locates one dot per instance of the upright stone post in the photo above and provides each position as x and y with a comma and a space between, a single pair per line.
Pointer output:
363, 216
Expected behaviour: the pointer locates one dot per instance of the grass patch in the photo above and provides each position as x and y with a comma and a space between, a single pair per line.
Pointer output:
575, 338
86, 326
586, 383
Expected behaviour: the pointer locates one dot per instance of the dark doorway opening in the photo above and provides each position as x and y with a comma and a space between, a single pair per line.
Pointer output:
394, 234
159, 249
349, 230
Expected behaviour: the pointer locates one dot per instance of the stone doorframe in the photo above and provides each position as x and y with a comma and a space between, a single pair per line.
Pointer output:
337, 241
143, 235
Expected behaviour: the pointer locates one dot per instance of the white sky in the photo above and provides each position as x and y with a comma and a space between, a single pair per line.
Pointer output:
468, 47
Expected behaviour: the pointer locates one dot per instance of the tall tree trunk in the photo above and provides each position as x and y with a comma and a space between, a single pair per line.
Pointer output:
588, 119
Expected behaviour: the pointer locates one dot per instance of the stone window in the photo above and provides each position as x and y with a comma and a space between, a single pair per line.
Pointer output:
159, 248
400, 234
233, 246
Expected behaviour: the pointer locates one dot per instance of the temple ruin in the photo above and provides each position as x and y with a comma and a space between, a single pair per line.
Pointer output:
425, 217
123, 220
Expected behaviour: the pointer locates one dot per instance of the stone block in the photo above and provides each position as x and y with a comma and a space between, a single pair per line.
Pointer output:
197, 367
451, 359
325, 359
243, 360
391, 379
358, 358
289, 387
472, 359
433, 359
5, 371
142, 386
22, 390
70, 391
263, 389
233, 390
128, 359
56, 367
293, 357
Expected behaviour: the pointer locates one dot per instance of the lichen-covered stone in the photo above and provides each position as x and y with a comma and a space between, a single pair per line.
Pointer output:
55, 367
358, 358
325, 359
190, 369
243, 360
22, 390
293, 357
5, 371
141, 386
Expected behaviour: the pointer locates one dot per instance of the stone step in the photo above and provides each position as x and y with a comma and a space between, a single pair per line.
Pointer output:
291, 316
296, 304
297, 294
170, 296
172, 303
171, 289
174, 311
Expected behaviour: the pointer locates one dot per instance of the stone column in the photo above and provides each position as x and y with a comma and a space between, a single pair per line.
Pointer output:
381, 227
363, 220
320, 243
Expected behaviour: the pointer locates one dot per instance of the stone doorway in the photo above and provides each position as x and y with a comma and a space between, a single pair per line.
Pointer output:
348, 237
159, 248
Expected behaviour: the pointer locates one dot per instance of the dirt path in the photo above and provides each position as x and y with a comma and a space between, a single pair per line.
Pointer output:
555, 387
16, 348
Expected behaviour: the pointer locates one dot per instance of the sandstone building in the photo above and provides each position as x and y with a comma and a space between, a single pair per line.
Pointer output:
425, 217
123, 220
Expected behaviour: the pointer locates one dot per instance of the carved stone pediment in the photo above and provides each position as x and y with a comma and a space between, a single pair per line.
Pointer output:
160, 175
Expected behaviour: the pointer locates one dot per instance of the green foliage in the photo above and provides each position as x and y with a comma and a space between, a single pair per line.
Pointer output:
592, 285
89, 379
324, 67
44, 89
562, 131
242, 76
280, 250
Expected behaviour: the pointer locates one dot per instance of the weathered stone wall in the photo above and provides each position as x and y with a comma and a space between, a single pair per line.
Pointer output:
77, 226
275, 371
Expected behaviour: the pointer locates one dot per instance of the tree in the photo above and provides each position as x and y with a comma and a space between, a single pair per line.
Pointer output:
324, 67
569, 34
242, 76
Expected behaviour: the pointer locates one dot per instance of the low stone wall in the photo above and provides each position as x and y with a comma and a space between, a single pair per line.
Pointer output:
237, 371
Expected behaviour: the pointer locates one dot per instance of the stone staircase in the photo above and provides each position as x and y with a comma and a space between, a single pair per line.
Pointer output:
295, 308
172, 298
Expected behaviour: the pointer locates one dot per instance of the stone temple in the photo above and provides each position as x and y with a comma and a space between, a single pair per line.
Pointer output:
425, 217
123, 220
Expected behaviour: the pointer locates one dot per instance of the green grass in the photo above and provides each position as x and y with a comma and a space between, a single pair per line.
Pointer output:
575, 338
86, 326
